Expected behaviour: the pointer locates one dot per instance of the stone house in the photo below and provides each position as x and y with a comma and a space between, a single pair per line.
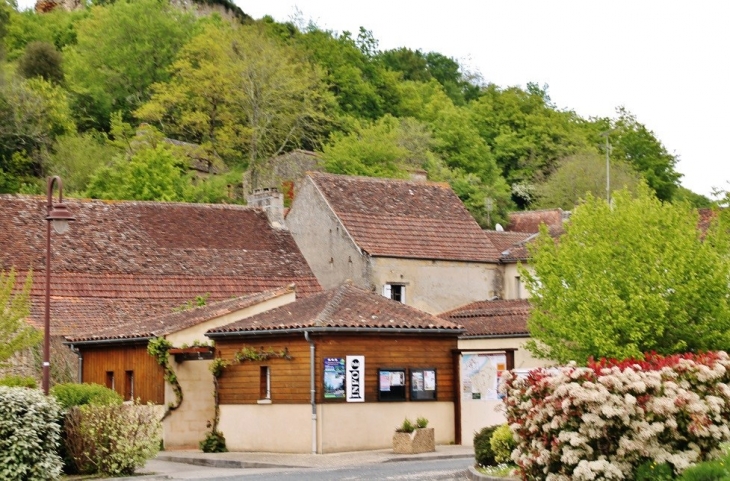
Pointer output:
122, 262
118, 358
335, 372
412, 241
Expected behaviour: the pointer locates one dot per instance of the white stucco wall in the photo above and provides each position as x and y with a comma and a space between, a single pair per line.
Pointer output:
186, 426
436, 286
341, 427
329, 250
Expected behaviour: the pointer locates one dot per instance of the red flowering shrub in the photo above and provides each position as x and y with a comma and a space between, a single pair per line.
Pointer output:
604, 420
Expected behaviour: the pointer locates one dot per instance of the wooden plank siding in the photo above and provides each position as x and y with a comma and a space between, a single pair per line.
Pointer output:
240, 383
149, 383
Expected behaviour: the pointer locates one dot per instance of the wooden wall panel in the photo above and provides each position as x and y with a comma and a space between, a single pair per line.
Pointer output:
290, 379
149, 384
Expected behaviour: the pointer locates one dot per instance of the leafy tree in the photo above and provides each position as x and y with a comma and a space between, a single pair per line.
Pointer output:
57, 27
34, 113
76, 157
152, 172
632, 142
623, 280
15, 333
121, 50
580, 174
525, 132
41, 59
238, 90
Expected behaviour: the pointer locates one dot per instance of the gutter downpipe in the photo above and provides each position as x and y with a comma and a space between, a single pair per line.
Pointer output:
311, 388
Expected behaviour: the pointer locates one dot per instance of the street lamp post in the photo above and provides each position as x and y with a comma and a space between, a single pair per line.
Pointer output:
59, 216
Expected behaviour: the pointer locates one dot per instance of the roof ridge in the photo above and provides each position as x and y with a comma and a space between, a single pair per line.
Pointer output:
331, 306
364, 178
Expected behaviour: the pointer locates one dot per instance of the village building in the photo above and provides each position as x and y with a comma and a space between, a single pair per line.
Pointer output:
412, 241
334, 372
118, 359
122, 262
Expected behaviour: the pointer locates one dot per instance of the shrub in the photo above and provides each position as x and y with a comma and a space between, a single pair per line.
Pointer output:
605, 420
406, 427
112, 440
502, 443
421, 422
28, 435
483, 447
651, 471
214, 442
73, 394
18, 381
707, 471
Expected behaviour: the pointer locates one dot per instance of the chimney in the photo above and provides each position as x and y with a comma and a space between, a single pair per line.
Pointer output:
272, 201
418, 175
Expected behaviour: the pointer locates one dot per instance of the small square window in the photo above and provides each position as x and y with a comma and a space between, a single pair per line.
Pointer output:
397, 292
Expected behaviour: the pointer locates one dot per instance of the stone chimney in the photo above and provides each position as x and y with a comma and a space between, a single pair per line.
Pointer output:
418, 175
272, 201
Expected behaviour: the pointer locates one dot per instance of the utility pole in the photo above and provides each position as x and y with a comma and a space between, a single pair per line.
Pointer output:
608, 167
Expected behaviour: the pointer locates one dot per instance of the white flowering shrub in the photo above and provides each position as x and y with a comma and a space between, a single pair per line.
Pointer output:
604, 420
112, 440
29, 435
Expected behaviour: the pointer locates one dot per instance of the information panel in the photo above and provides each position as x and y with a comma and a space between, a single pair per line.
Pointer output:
392, 384
423, 384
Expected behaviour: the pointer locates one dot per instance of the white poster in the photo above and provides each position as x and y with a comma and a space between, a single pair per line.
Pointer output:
355, 374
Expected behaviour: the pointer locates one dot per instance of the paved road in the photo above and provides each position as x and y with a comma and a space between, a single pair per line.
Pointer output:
437, 469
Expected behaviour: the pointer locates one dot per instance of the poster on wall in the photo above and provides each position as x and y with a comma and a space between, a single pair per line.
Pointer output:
423, 384
334, 378
480, 375
355, 373
392, 384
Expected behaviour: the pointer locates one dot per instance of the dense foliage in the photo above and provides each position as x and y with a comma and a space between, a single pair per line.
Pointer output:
608, 420
70, 395
483, 452
112, 440
627, 278
15, 333
29, 434
237, 91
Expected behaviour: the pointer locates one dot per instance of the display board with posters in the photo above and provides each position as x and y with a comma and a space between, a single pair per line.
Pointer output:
423, 384
480, 372
392, 384
334, 378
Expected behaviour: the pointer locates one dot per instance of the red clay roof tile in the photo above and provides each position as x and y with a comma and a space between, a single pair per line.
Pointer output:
346, 306
492, 318
398, 218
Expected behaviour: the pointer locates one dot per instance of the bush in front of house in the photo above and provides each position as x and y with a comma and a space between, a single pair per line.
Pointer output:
483, 452
605, 420
502, 443
112, 440
214, 442
29, 435
74, 394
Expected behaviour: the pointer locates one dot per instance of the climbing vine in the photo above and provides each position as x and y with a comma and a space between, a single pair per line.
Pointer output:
251, 354
214, 441
159, 348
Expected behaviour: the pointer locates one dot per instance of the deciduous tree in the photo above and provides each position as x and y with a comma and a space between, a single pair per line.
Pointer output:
15, 333
630, 278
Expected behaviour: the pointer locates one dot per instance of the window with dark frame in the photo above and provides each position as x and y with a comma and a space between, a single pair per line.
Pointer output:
264, 383
129, 385
110, 379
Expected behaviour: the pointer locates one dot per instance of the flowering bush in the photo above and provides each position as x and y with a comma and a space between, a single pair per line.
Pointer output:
604, 420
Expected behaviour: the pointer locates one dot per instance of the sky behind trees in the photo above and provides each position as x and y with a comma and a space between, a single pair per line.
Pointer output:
665, 61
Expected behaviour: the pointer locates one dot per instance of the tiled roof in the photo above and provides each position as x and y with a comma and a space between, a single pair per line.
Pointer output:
122, 261
177, 321
398, 218
503, 240
346, 306
492, 318
529, 221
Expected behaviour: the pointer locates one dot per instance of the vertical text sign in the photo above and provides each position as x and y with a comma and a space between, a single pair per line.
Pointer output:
355, 372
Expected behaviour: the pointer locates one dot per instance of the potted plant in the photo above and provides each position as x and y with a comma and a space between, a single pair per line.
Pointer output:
410, 438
